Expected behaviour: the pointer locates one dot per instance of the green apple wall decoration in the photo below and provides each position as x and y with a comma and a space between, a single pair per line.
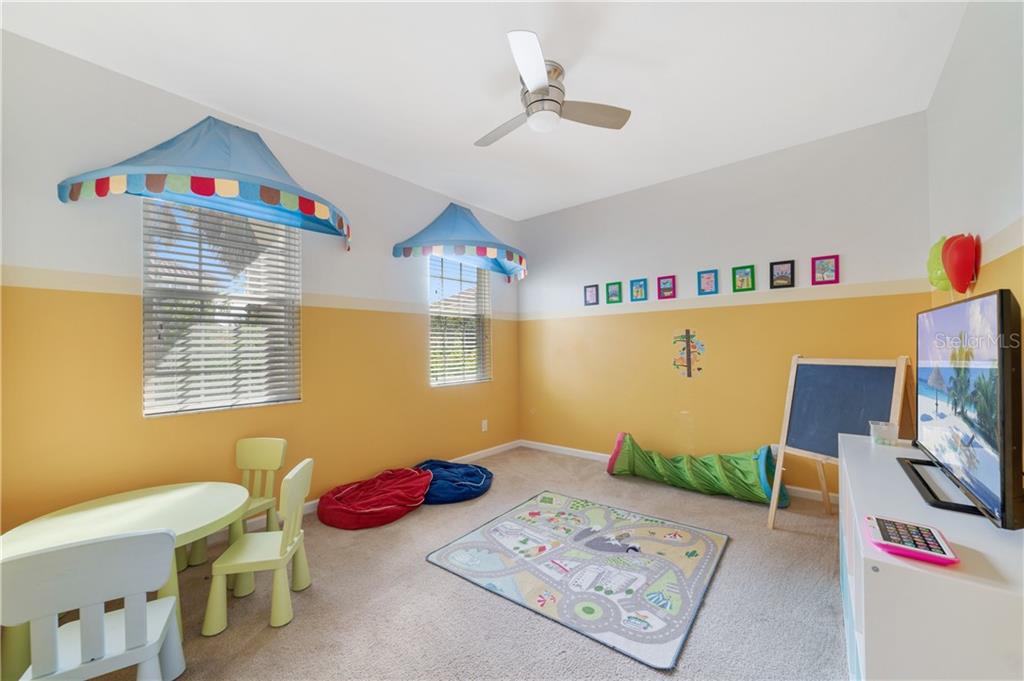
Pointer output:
936, 270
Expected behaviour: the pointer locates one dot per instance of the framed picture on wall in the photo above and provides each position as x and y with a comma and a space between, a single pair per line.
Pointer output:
825, 270
743, 278
637, 289
590, 294
707, 282
781, 274
667, 287
613, 292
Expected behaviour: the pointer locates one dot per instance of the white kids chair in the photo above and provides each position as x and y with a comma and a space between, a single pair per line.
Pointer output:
37, 587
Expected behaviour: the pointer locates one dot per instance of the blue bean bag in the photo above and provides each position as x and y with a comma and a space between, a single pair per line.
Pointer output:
455, 481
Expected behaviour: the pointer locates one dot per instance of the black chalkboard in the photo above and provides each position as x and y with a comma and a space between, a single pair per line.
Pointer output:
829, 399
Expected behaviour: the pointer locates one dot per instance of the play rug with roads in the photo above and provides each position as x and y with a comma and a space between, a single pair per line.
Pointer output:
624, 579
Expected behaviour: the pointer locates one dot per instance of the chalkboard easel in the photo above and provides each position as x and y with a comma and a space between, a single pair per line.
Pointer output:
831, 396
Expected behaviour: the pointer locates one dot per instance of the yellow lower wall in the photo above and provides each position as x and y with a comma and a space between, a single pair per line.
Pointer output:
72, 386
73, 426
584, 379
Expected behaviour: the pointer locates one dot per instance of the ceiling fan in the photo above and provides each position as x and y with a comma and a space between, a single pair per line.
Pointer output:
543, 95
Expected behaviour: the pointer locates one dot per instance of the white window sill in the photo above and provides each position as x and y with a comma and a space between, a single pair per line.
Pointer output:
185, 412
456, 383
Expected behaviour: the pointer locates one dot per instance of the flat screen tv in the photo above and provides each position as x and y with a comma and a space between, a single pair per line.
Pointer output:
969, 400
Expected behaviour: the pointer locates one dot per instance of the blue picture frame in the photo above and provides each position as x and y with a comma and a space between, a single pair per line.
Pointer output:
707, 282
638, 289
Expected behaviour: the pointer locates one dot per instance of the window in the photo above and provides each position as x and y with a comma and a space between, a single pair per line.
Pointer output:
220, 303
460, 323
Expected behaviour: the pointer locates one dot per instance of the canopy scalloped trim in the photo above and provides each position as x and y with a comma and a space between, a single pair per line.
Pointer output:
509, 255
175, 187
457, 234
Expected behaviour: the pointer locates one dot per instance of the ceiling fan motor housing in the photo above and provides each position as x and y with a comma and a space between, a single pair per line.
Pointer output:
551, 100
543, 95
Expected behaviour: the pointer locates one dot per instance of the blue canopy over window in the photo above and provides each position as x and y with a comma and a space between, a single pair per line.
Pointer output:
457, 235
214, 165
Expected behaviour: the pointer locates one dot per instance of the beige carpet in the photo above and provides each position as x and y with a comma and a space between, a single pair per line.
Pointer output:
378, 610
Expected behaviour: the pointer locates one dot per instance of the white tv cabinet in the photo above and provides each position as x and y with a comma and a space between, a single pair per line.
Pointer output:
907, 619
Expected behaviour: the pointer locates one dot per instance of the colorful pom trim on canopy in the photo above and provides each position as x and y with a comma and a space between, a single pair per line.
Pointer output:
457, 235
214, 165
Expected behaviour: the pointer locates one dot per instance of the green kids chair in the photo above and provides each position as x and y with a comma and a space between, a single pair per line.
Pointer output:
259, 458
265, 551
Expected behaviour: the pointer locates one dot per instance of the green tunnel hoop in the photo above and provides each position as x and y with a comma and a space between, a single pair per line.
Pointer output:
743, 475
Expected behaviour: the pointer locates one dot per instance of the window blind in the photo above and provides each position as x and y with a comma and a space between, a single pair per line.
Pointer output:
221, 296
460, 323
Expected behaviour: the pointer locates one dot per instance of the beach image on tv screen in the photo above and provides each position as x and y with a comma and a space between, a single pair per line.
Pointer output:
958, 418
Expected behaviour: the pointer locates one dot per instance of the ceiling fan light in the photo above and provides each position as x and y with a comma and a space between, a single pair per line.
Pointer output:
543, 121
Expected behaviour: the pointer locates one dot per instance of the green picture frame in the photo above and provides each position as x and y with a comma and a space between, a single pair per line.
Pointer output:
613, 292
743, 278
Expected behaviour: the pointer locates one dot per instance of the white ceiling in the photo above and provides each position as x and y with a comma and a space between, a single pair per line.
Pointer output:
407, 88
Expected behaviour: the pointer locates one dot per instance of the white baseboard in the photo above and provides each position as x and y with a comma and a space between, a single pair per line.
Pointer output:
567, 451
490, 451
810, 493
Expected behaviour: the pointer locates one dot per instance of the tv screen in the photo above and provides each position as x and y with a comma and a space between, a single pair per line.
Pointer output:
968, 417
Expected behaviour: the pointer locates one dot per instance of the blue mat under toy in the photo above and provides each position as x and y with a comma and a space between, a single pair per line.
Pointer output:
455, 481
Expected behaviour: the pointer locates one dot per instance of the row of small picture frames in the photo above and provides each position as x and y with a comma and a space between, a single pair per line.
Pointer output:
824, 270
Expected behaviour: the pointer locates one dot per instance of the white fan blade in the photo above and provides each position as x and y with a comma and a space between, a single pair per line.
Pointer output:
529, 59
502, 130
601, 115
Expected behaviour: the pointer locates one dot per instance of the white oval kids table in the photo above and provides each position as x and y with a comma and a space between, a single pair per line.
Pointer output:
193, 510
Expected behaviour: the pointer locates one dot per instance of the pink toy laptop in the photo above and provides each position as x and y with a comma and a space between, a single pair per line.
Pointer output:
919, 542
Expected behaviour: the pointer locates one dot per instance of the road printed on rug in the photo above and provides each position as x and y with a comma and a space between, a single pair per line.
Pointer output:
630, 581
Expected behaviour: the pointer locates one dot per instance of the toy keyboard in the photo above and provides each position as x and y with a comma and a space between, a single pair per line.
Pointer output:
911, 541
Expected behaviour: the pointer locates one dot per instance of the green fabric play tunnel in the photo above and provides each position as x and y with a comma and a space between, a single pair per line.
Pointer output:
744, 475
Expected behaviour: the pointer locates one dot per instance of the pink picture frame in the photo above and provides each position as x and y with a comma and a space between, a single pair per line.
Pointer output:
824, 270
667, 287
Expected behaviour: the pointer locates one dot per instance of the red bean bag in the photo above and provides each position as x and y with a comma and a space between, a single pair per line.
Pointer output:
380, 500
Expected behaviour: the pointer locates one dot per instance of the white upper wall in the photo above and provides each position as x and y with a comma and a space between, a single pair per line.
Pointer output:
63, 116
878, 196
861, 194
975, 127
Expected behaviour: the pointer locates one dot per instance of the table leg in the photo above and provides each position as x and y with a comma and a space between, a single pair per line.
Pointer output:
170, 588
197, 552
235, 531
180, 558
17, 653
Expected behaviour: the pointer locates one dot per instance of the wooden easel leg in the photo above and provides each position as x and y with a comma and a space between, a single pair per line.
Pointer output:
776, 485
825, 500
